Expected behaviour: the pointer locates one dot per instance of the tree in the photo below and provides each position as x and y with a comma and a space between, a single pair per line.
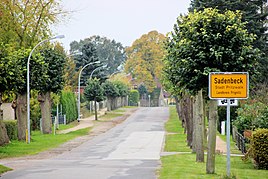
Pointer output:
4, 78
123, 93
52, 82
94, 92
23, 24
70, 74
111, 92
108, 51
89, 55
18, 83
144, 59
142, 91
255, 13
27, 22
208, 41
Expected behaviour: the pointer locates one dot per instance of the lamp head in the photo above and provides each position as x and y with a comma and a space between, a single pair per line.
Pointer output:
57, 37
60, 37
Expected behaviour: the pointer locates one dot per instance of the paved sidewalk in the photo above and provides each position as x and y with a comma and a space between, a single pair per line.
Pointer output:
84, 122
221, 145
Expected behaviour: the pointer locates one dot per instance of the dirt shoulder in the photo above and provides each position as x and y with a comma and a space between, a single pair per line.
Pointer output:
98, 128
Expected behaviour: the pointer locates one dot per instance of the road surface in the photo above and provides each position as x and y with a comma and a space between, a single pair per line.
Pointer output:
131, 150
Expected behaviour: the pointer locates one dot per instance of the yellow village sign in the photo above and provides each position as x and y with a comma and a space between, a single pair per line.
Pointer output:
228, 85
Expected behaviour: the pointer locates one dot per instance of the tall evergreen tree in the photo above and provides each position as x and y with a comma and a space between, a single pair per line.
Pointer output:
89, 55
108, 51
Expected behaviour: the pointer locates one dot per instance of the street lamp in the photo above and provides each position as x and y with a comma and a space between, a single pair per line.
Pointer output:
73, 54
78, 96
96, 69
28, 137
149, 96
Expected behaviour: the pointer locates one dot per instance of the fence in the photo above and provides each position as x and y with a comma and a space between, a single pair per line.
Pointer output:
240, 142
61, 120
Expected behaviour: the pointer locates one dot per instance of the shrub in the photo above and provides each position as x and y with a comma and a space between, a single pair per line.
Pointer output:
35, 111
134, 97
69, 106
12, 129
251, 116
259, 148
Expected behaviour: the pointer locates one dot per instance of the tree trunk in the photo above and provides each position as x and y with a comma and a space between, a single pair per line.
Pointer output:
45, 105
109, 103
213, 113
1, 111
96, 112
3, 132
21, 111
189, 122
205, 142
199, 134
178, 107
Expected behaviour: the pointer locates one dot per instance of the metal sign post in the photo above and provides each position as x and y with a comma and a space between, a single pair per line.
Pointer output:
228, 139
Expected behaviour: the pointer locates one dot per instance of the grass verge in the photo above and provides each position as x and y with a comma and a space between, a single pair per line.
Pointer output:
68, 126
39, 143
184, 166
113, 114
4, 169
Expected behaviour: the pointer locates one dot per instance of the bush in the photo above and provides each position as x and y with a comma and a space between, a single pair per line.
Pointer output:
134, 97
259, 148
35, 111
69, 106
251, 116
12, 129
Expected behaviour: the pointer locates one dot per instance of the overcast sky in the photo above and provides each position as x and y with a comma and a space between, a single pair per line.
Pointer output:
121, 20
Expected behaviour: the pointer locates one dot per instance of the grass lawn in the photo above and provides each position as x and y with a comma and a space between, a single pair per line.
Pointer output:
39, 142
182, 166
68, 126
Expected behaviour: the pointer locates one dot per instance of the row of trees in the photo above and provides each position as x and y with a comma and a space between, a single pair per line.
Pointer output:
97, 91
209, 40
22, 26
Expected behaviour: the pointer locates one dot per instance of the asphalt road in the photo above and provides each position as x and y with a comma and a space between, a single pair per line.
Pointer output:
131, 150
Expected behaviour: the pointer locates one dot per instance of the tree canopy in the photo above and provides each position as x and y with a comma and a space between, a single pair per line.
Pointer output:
94, 91
144, 59
208, 41
55, 61
108, 51
27, 22
89, 56
254, 13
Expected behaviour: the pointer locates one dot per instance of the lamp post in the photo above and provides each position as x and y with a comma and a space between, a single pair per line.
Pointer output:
95, 70
149, 96
78, 96
28, 137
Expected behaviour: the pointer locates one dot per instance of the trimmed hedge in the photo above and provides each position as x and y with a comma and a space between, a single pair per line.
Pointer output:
259, 148
12, 129
134, 97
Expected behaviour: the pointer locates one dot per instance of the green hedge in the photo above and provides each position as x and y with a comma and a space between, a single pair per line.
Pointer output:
12, 129
134, 97
259, 148
69, 105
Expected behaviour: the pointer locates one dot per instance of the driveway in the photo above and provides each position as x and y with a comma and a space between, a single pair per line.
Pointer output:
129, 150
